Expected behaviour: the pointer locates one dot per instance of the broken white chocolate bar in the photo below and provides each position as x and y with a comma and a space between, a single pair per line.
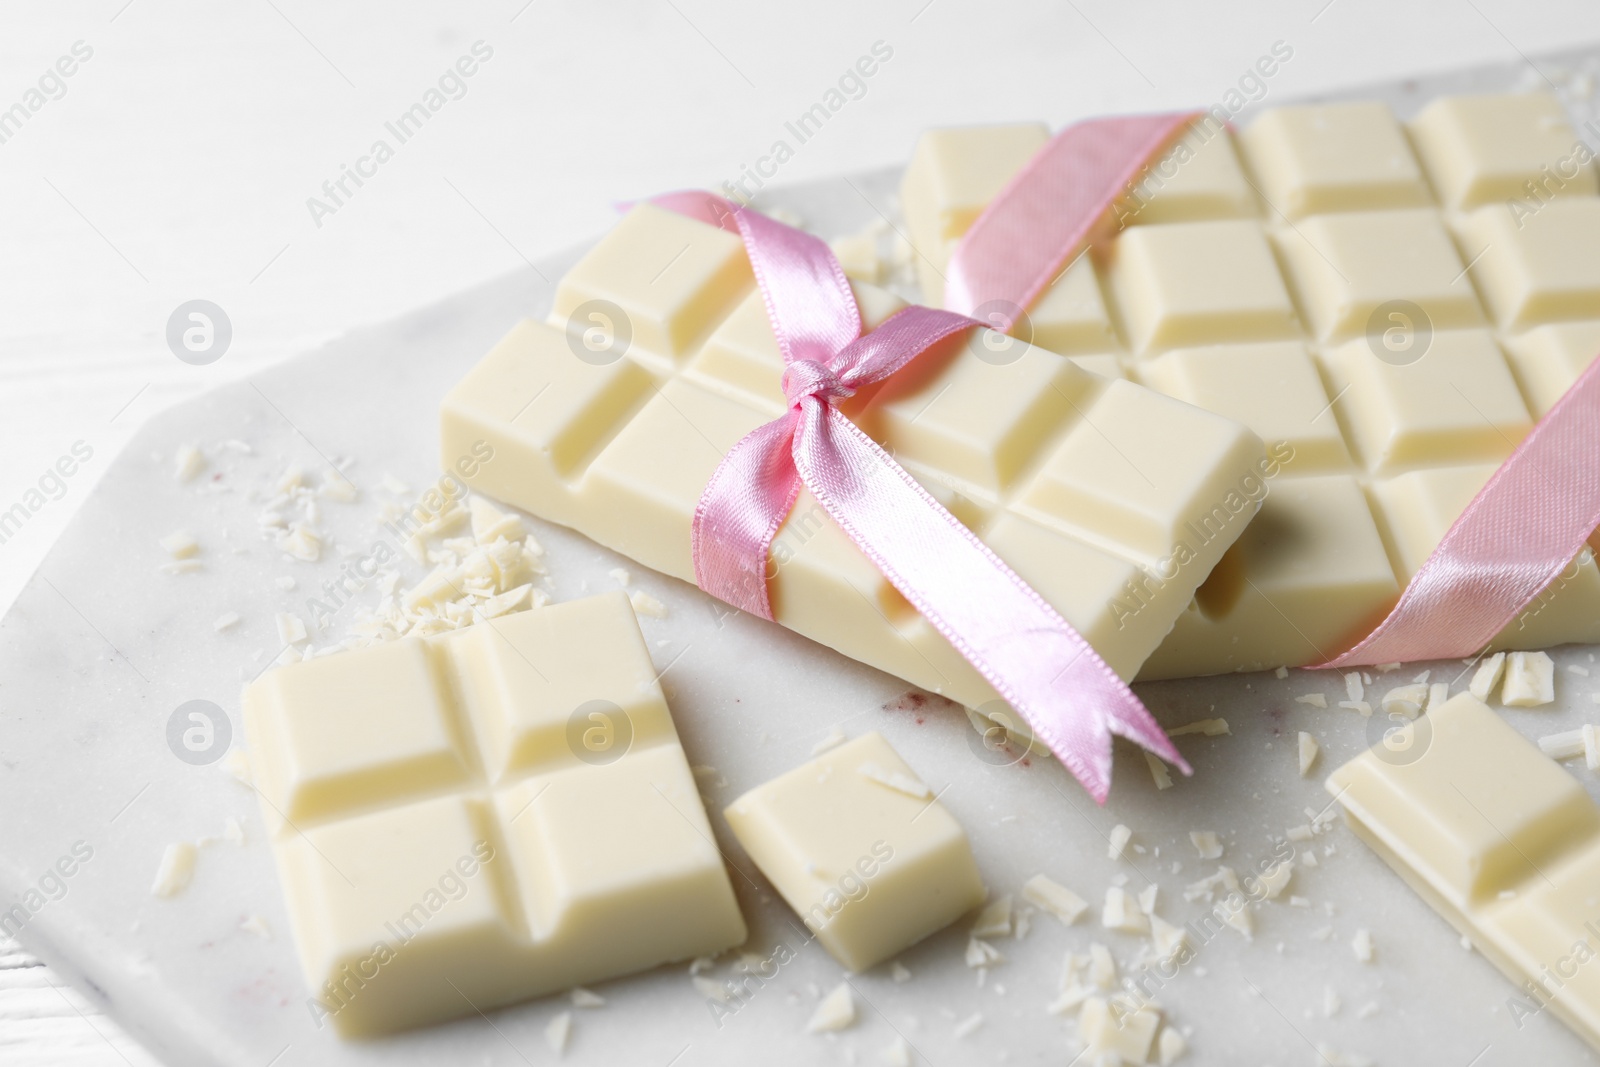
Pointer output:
1389, 306
1111, 500
495, 813
871, 861
1499, 839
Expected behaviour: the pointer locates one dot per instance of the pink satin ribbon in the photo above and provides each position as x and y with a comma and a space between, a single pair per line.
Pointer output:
1033, 657
1051, 210
1516, 537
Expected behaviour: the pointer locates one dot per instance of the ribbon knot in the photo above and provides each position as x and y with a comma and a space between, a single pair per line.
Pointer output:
807, 377
1021, 645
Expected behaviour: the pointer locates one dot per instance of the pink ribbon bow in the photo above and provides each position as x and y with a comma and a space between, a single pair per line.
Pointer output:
1516, 537
1034, 659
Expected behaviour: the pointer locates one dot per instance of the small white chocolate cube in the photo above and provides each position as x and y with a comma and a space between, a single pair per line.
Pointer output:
861, 850
1457, 403
1332, 157
1197, 282
1535, 268
1479, 149
1548, 359
1344, 267
656, 288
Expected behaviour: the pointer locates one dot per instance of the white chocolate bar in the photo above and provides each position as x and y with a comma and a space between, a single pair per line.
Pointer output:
862, 851
1111, 500
1499, 839
1288, 277
495, 813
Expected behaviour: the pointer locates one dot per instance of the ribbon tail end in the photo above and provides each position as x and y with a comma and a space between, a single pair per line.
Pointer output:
1140, 727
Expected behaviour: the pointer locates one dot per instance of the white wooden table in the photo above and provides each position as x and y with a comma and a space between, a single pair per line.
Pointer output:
177, 161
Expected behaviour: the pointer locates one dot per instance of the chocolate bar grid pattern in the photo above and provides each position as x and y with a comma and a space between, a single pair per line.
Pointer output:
1245, 281
659, 357
382, 769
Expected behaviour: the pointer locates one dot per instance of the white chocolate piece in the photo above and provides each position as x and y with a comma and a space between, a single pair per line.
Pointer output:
1538, 268
1102, 966
1121, 912
1168, 939
176, 870
507, 804
1070, 316
1275, 879
1457, 405
964, 170
1308, 749
1170, 1046
180, 544
1405, 700
1530, 680
1158, 771
1497, 838
1207, 845
489, 523
1237, 915
995, 918
1569, 744
558, 1032
1547, 359
1046, 894
291, 628
1273, 387
187, 462
586, 998
1487, 676
1192, 283
1423, 338
1345, 266
836, 1012
1480, 149
1197, 177
1108, 1026
982, 954
1112, 501
1318, 158
870, 870
858, 257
